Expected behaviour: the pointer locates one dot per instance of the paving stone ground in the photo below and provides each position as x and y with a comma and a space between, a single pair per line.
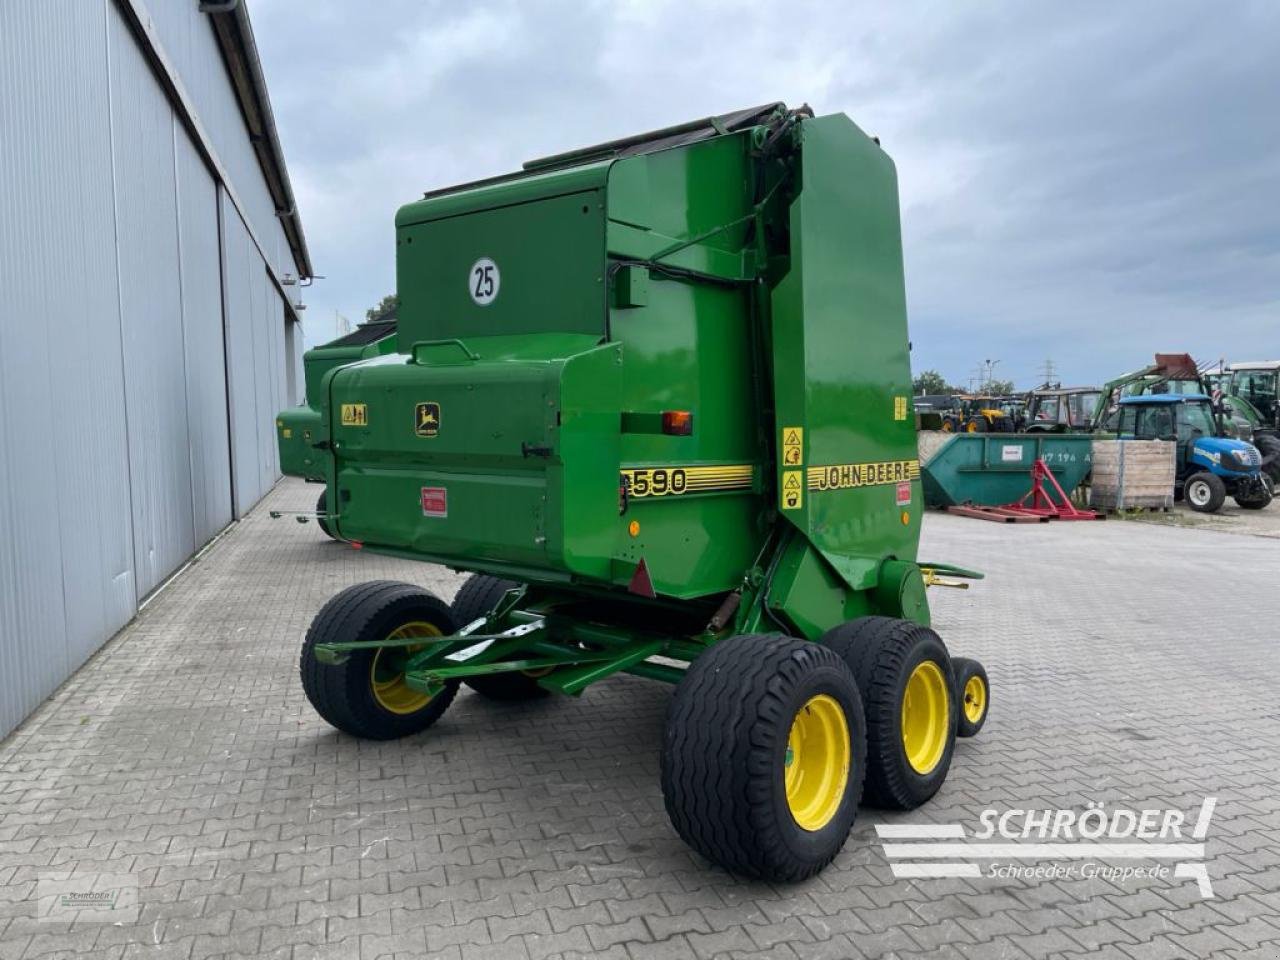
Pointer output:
1134, 665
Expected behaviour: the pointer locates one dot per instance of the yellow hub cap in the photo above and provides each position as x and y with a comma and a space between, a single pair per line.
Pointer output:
817, 762
925, 708
975, 699
386, 673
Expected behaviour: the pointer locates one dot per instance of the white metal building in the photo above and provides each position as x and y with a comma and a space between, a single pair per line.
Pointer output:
150, 268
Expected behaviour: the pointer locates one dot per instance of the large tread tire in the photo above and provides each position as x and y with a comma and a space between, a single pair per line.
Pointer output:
725, 753
343, 693
322, 513
882, 653
974, 704
1269, 446
1211, 501
476, 599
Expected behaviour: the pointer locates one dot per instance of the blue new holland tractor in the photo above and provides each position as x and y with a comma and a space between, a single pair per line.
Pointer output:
1209, 466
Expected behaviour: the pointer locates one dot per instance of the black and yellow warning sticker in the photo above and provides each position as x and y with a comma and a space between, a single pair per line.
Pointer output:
355, 415
848, 476
673, 481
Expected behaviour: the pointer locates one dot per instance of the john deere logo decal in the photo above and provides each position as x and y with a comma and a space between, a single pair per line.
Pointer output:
427, 419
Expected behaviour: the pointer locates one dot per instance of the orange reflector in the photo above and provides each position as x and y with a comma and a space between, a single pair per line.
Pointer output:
633, 528
356, 545
906, 518
677, 423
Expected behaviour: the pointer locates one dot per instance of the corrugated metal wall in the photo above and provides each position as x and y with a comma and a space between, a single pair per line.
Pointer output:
131, 294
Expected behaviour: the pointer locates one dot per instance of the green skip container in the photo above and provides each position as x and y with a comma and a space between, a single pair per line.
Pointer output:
993, 469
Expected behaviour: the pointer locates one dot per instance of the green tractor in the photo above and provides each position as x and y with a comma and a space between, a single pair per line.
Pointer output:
1061, 409
624, 396
298, 429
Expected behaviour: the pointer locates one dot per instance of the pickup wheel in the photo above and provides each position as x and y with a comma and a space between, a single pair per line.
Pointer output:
1204, 492
905, 678
366, 695
763, 756
478, 598
973, 693
322, 515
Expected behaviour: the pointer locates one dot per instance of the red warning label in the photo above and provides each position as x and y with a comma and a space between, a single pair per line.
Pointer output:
435, 502
904, 493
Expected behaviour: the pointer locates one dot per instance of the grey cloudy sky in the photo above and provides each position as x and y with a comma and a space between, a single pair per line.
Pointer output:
1089, 182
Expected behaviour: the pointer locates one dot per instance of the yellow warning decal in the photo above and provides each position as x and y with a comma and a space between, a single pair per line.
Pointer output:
673, 481
355, 415
792, 446
846, 476
791, 496
899, 408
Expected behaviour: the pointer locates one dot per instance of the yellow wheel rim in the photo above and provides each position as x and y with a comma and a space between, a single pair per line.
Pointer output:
975, 699
386, 673
925, 709
972, 427
816, 768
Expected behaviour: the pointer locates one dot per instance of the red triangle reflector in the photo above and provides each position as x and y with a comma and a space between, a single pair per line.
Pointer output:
640, 582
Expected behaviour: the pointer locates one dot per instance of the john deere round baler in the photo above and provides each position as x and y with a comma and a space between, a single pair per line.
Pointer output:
656, 394
302, 454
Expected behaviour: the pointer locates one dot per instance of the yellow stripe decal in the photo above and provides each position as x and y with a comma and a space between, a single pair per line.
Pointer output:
673, 481
847, 476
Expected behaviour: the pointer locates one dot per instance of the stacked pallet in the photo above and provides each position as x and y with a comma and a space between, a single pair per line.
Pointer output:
1133, 474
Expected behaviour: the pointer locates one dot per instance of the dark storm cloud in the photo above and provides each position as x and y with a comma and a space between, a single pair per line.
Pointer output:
1090, 182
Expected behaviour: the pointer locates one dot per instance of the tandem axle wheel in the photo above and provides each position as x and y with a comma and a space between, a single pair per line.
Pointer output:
771, 742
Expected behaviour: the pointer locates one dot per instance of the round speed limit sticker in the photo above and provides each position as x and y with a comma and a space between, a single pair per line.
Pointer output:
483, 281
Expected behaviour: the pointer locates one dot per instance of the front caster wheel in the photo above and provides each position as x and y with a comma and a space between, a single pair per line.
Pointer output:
366, 695
974, 694
904, 676
322, 516
763, 756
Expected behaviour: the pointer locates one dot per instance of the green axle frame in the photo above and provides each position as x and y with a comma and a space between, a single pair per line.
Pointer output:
537, 630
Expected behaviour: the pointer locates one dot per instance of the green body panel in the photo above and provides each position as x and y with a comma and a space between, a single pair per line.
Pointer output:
840, 365
745, 283
994, 469
298, 428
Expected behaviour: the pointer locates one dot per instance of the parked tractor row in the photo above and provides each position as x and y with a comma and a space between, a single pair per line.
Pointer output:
1225, 427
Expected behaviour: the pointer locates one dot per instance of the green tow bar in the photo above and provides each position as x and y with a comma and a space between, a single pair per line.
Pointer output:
569, 667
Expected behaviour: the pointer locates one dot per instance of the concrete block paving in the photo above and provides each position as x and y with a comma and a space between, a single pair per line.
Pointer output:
1134, 665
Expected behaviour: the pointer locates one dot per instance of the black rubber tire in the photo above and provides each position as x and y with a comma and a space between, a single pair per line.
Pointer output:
322, 511
1269, 446
978, 424
882, 652
343, 694
725, 749
476, 599
964, 670
1217, 492
1263, 498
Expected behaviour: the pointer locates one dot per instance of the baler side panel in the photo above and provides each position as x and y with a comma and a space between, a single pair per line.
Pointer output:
550, 258
686, 347
841, 366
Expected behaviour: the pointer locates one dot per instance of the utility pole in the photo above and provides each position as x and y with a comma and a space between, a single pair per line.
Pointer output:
991, 372
1047, 371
